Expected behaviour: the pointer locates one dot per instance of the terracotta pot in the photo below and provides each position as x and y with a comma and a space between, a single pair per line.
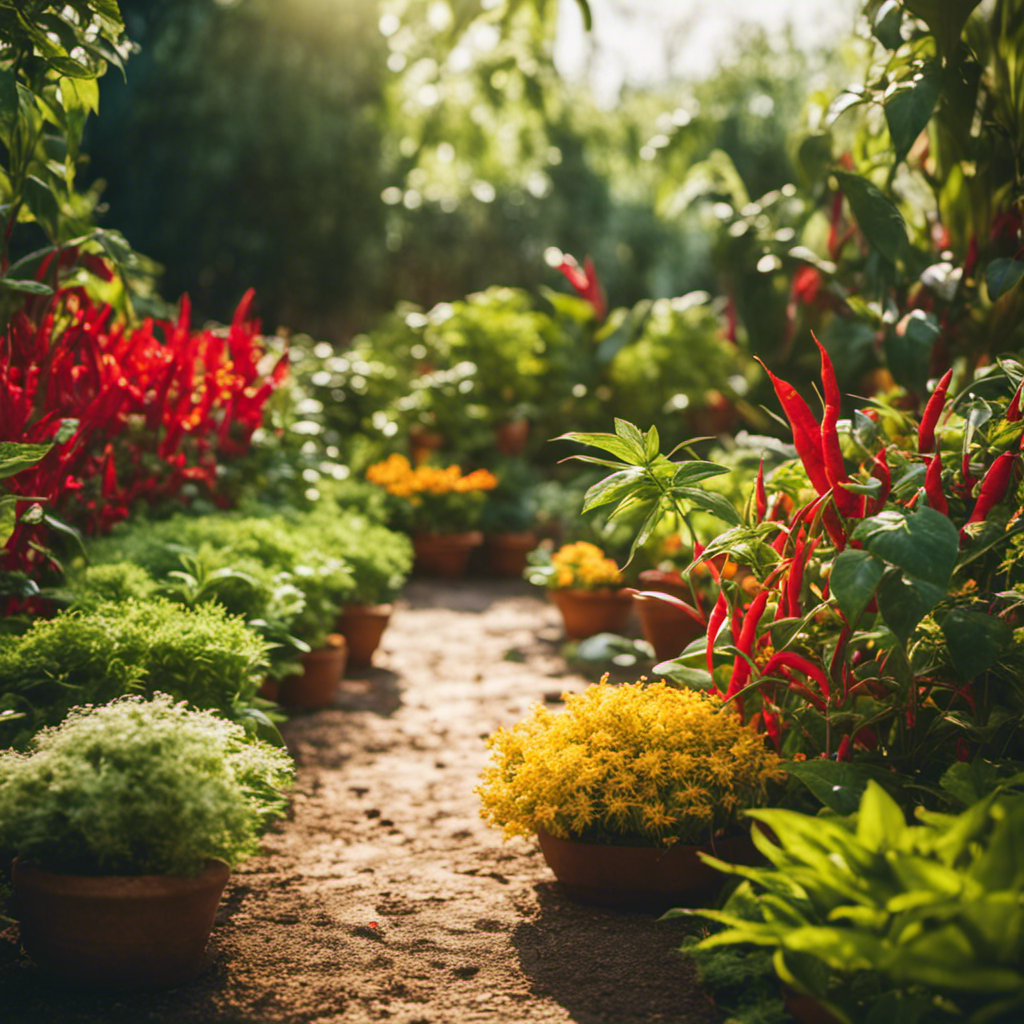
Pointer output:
322, 670
510, 437
806, 1009
270, 689
363, 625
445, 554
586, 612
666, 626
667, 582
506, 553
118, 931
641, 877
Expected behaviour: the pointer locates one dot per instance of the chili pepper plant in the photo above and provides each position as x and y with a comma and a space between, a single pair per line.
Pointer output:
887, 621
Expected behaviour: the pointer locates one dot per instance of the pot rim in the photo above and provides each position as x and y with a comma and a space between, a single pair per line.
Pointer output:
58, 882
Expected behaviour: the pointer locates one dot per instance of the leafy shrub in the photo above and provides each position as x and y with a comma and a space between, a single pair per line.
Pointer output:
636, 764
884, 921
202, 655
110, 583
139, 787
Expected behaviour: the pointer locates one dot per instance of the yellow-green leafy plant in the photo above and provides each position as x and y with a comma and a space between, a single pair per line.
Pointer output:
642, 764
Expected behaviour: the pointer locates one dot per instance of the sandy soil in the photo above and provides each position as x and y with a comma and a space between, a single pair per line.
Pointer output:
384, 897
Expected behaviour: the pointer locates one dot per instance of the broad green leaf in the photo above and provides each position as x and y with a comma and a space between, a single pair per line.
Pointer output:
908, 349
25, 286
886, 28
1003, 275
923, 544
841, 948
908, 110
855, 575
976, 640
839, 785
15, 456
877, 216
880, 822
945, 20
652, 444
905, 600
652, 520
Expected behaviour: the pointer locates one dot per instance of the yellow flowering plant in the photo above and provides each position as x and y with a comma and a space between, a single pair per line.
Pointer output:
642, 764
431, 499
577, 566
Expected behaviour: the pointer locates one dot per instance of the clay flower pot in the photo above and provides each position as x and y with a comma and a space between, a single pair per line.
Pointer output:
363, 625
506, 553
510, 436
322, 670
118, 931
586, 612
665, 582
806, 1009
641, 877
668, 623
445, 554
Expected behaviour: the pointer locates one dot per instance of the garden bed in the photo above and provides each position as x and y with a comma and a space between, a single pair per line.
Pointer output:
385, 897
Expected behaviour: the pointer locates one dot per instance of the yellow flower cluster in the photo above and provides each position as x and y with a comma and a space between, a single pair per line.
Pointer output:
398, 477
638, 764
583, 565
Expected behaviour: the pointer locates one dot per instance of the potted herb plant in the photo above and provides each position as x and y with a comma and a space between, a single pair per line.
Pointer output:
585, 585
440, 508
625, 785
124, 822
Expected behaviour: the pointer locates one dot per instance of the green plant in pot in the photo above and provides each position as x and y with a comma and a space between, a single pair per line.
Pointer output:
124, 822
624, 784
379, 560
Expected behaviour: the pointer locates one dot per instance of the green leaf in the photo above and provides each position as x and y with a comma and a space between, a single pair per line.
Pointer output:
652, 444
653, 517
692, 472
904, 601
908, 349
716, 504
631, 454
877, 216
630, 433
25, 286
880, 821
613, 488
839, 785
8, 102
43, 203
1003, 275
908, 110
15, 456
923, 544
855, 575
945, 20
976, 640
886, 28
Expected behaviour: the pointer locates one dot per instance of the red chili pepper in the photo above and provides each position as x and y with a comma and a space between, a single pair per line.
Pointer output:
761, 496
806, 431
930, 416
848, 503
993, 487
798, 663
843, 753
771, 726
745, 643
715, 620
1013, 412
933, 486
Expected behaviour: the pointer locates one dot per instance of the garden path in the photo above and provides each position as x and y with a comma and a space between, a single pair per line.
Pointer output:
384, 897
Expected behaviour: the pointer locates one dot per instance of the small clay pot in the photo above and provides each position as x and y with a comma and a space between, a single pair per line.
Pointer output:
642, 877
118, 931
445, 554
322, 670
506, 553
510, 436
667, 626
363, 625
586, 612
806, 1009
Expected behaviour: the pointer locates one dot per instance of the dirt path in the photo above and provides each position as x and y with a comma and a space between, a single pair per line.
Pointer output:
384, 897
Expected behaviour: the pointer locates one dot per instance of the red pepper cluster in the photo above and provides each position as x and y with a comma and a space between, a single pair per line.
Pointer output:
157, 407
826, 681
